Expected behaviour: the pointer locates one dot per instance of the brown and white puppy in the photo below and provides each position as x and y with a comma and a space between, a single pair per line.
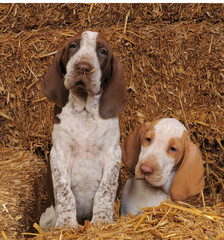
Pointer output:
165, 163
87, 85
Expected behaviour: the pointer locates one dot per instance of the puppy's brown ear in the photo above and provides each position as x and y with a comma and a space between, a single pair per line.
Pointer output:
131, 147
189, 179
114, 96
53, 85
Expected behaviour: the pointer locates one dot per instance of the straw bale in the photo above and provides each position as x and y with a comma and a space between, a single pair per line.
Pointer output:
173, 62
173, 70
21, 191
167, 221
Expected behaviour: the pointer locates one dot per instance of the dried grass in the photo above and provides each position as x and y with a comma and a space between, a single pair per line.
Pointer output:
173, 61
167, 221
21, 191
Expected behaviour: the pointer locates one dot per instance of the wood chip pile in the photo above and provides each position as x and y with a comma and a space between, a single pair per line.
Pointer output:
173, 59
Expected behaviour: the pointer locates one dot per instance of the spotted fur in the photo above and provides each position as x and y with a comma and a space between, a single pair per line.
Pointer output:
85, 157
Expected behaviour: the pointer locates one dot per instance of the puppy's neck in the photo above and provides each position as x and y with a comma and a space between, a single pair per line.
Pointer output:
166, 187
84, 102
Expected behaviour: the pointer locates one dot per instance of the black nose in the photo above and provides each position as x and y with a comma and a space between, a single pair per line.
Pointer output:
83, 67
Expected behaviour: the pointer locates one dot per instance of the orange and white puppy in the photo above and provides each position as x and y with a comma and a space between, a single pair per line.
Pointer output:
164, 162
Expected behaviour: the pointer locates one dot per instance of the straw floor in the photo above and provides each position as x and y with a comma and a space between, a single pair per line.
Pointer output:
172, 56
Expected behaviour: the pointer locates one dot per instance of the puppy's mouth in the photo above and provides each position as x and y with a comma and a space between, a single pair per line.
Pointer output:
81, 80
150, 178
83, 87
80, 84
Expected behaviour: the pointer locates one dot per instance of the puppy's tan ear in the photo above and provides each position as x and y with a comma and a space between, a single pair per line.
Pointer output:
131, 147
53, 84
189, 179
114, 97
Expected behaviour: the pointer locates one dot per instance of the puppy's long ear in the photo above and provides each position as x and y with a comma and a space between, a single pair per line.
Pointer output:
53, 85
114, 96
131, 147
189, 179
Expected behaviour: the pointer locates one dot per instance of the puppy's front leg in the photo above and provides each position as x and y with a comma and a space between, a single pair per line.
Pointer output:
103, 208
65, 205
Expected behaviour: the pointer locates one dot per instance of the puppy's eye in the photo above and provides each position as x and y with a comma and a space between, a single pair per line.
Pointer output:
173, 149
103, 51
74, 46
148, 139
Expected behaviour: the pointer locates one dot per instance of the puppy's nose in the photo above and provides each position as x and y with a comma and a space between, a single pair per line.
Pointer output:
83, 67
145, 169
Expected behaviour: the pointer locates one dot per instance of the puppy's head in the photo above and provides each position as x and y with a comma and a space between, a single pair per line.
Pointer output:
87, 59
86, 65
154, 150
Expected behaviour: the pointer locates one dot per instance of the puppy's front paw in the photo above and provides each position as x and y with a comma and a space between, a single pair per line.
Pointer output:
66, 219
101, 220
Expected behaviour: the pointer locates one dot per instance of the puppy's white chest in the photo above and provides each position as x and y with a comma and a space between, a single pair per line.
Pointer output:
139, 194
87, 137
84, 125
87, 141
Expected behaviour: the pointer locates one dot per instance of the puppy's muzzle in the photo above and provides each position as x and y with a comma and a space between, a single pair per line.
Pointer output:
146, 169
84, 68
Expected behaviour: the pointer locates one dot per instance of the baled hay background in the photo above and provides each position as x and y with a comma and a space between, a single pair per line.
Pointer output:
21, 193
173, 61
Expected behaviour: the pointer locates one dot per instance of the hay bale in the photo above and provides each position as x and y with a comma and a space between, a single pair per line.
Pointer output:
172, 57
21, 190
173, 62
